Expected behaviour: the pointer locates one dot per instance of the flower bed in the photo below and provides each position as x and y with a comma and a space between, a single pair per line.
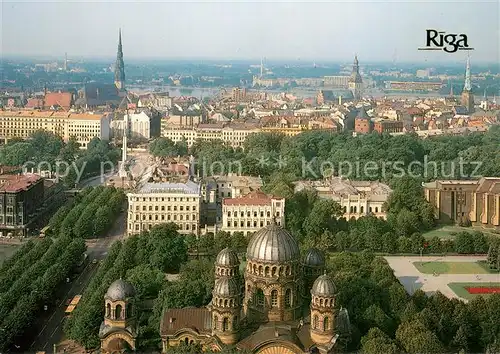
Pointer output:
483, 289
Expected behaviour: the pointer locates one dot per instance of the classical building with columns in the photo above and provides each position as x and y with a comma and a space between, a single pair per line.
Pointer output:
273, 308
464, 201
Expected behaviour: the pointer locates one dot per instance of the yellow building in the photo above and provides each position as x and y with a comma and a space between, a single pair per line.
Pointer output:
84, 127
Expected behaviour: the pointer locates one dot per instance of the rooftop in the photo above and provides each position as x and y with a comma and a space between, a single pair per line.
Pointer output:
17, 183
165, 187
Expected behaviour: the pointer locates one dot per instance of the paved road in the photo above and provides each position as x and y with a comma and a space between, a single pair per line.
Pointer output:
412, 279
52, 329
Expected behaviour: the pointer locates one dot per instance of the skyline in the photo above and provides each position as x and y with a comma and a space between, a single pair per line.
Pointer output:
213, 31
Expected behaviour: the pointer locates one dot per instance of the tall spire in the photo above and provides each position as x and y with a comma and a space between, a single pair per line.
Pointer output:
119, 66
467, 85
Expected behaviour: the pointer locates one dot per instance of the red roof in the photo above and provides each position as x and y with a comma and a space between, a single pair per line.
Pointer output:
17, 183
253, 198
34, 103
62, 99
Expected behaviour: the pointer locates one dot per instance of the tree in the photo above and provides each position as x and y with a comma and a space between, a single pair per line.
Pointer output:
464, 243
494, 254
376, 342
480, 242
17, 154
146, 280
415, 338
239, 241
323, 216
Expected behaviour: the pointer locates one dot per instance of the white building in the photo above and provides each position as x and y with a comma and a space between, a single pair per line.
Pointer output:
140, 126
163, 202
251, 212
357, 198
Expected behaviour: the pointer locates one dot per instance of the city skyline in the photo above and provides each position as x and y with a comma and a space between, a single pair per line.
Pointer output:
266, 31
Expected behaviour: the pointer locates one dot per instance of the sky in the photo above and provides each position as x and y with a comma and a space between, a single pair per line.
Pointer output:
308, 31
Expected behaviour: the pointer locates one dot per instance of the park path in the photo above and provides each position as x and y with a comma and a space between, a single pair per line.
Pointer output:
412, 279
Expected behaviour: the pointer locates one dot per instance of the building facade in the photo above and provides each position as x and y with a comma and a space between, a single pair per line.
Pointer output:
119, 65
388, 126
467, 98
461, 202
83, 127
355, 81
251, 212
141, 126
357, 198
21, 197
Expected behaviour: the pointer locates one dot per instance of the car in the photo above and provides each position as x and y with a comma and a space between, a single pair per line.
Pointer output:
94, 261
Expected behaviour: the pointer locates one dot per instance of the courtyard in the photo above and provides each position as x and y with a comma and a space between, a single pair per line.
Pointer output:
459, 277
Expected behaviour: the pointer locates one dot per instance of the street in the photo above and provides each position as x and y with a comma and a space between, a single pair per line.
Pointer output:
51, 331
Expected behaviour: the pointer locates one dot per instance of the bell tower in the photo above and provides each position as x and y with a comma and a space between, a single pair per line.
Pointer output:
355, 81
322, 310
120, 66
467, 99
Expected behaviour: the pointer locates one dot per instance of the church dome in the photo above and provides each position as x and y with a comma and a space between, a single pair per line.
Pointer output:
226, 287
120, 290
272, 244
227, 258
314, 258
324, 286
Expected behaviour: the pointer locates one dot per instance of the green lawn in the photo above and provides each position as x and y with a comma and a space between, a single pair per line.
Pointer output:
459, 289
6, 250
444, 232
450, 268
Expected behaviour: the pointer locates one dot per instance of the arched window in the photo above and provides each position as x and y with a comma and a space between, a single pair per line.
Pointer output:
273, 271
225, 303
108, 310
261, 270
267, 271
320, 302
225, 324
326, 324
216, 319
362, 209
118, 312
259, 298
274, 298
315, 322
288, 298
186, 341
229, 213
376, 209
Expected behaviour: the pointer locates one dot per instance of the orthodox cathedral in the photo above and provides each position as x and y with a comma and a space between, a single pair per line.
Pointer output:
283, 304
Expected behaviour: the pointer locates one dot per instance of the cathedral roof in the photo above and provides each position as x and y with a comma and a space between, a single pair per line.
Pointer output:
314, 258
273, 244
227, 257
324, 286
120, 290
226, 287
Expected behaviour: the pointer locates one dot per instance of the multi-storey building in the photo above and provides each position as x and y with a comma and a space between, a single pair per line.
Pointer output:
251, 212
388, 126
20, 199
336, 81
143, 126
84, 127
357, 198
458, 201
164, 202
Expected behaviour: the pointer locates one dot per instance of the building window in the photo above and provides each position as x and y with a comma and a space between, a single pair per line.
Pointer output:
326, 324
259, 298
315, 322
225, 324
288, 298
274, 298
376, 209
216, 319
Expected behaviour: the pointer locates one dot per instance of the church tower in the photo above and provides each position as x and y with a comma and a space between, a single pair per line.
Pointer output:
355, 81
322, 312
467, 94
120, 66
226, 298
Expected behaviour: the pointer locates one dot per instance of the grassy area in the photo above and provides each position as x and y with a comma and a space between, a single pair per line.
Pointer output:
450, 268
6, 250
459, 289
445, 232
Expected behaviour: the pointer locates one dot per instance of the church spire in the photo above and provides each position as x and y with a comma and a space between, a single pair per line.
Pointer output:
467, 85
119, 65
